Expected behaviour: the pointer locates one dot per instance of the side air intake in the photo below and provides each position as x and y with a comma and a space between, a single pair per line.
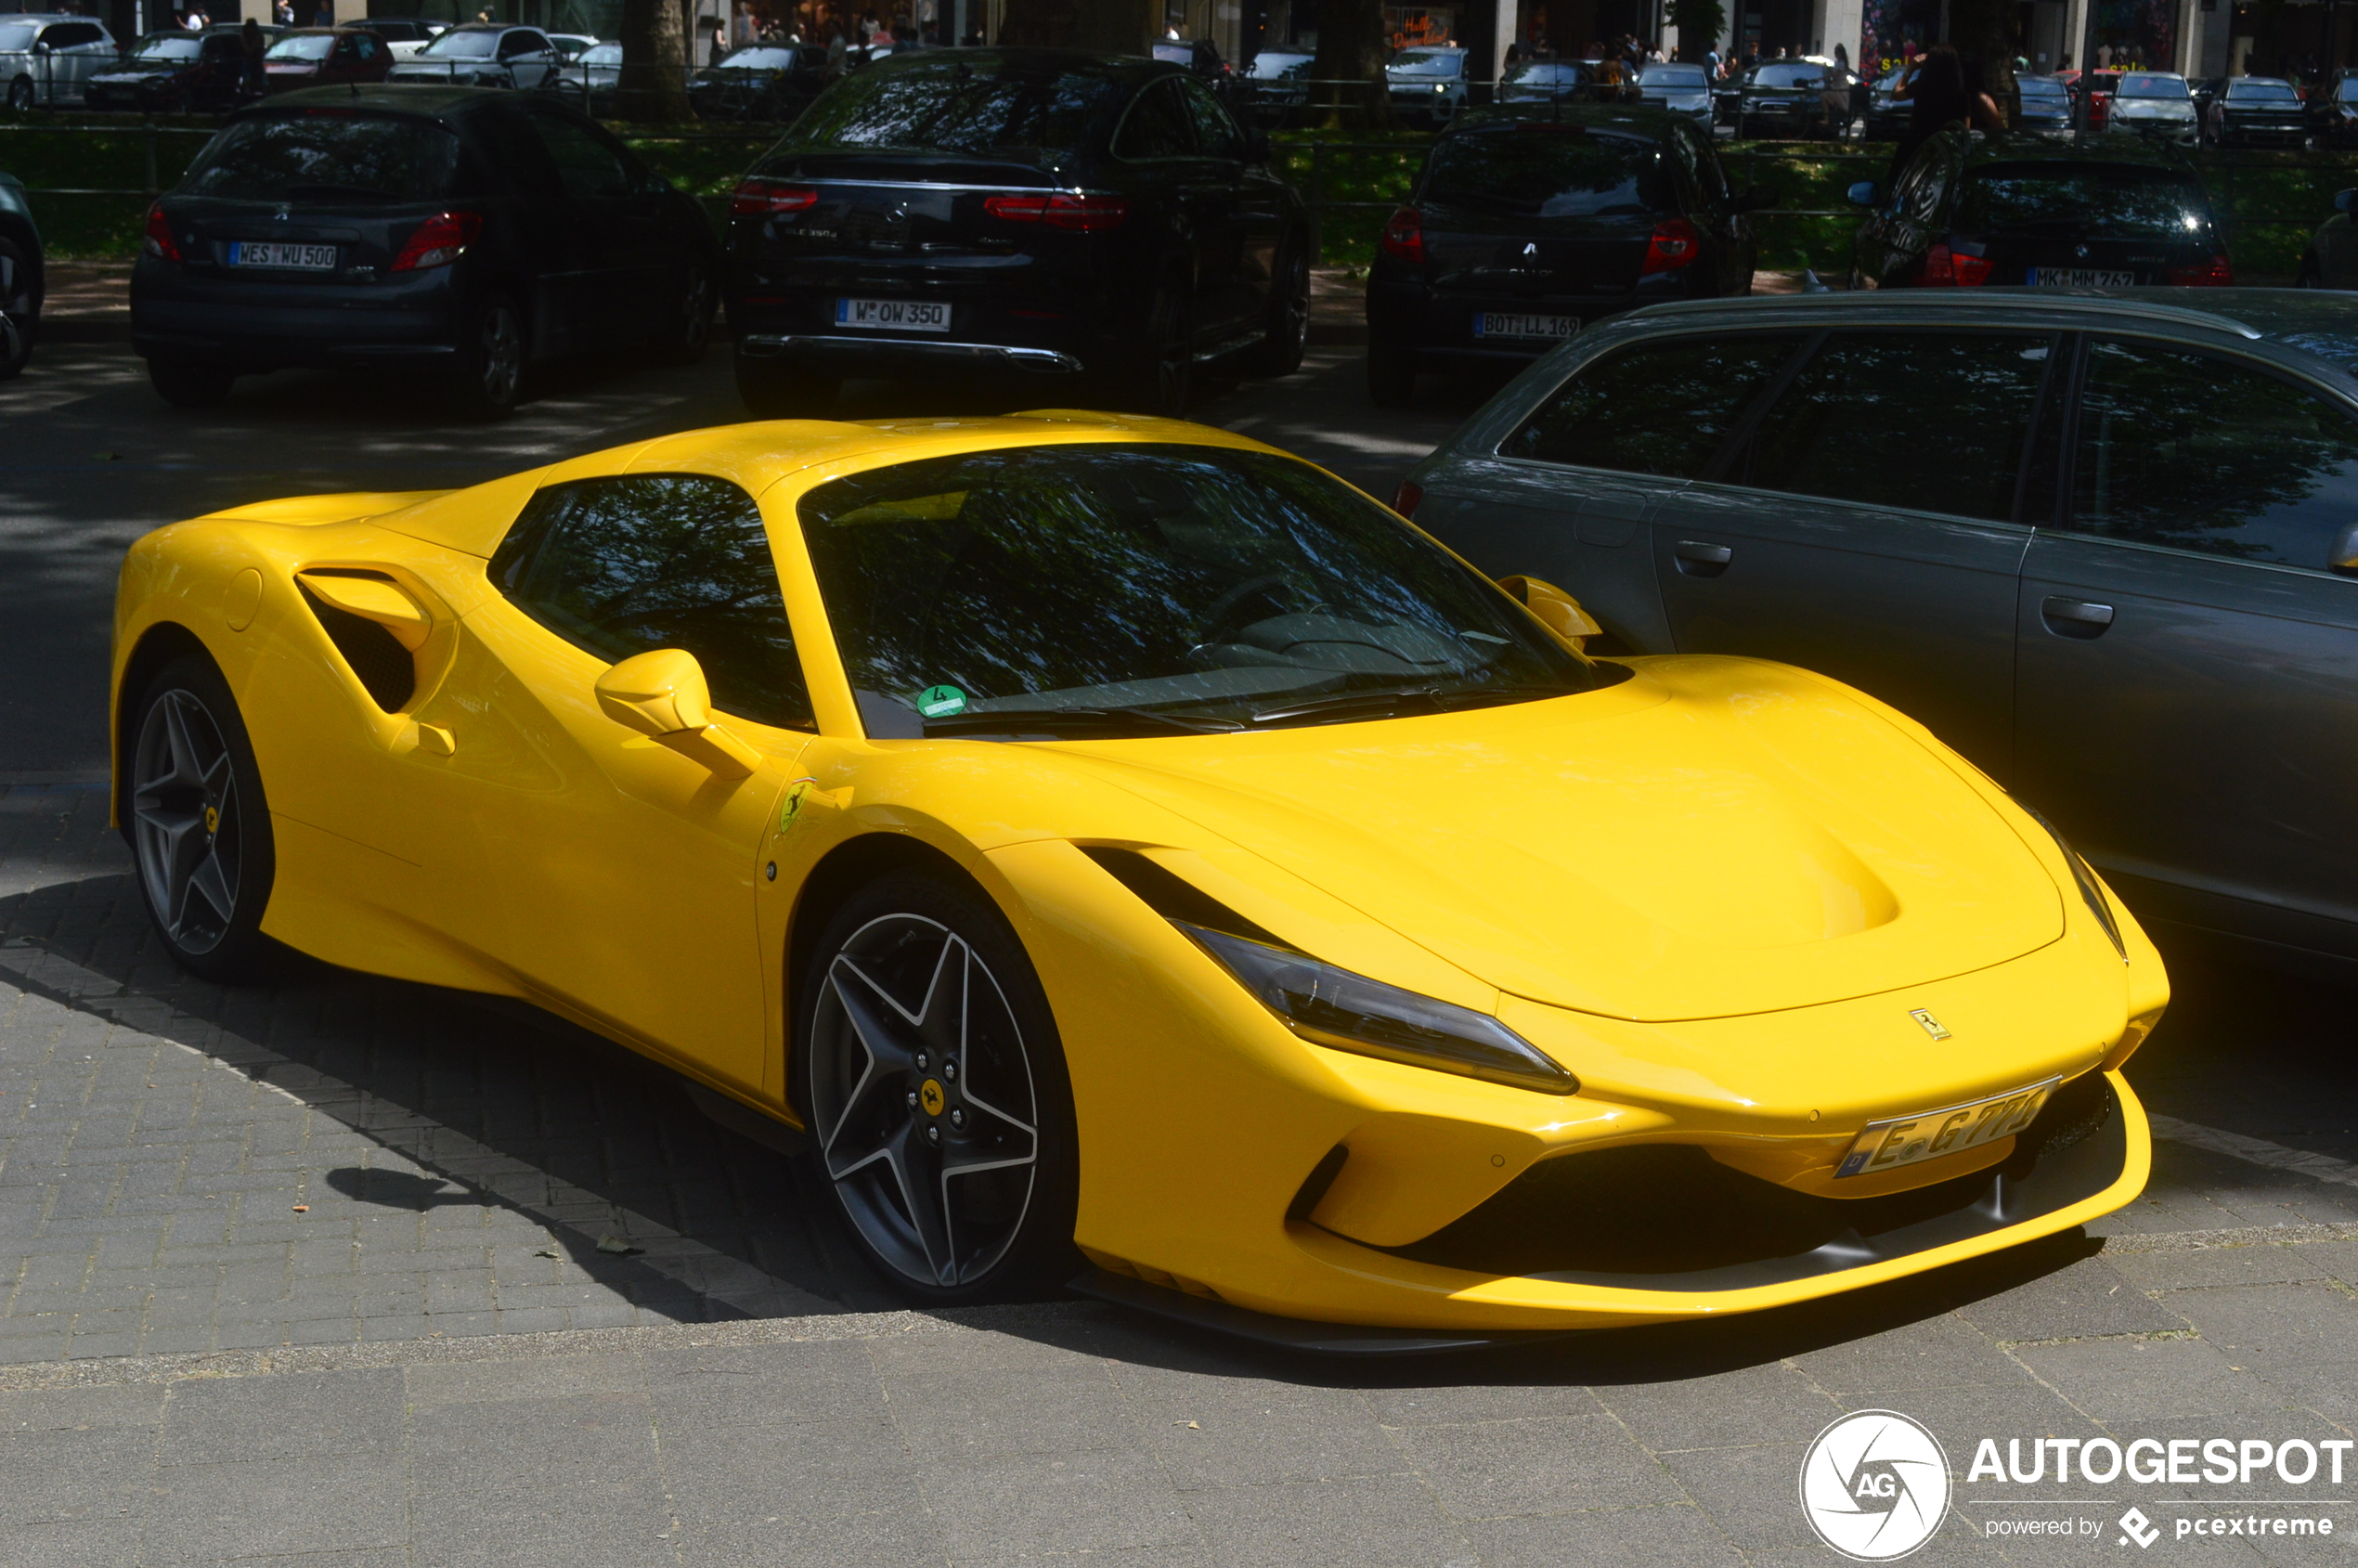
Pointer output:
1175, 898
385, 669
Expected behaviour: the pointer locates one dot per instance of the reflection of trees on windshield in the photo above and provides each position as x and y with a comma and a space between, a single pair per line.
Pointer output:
1548, 172
950, 105
2177, 448
261, 160
1157, 575
2116, 199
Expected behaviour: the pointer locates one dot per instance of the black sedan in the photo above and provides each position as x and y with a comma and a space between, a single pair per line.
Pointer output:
178, 72
20, 277
459, 231
1521, 228
1976, 210
759, 81
1037, 211
2261, 111
1781, 99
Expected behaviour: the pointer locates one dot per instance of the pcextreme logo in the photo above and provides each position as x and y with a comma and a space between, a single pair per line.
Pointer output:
1874, 1485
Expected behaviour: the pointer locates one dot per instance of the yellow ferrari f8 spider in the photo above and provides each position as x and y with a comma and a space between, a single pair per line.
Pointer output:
1114, 841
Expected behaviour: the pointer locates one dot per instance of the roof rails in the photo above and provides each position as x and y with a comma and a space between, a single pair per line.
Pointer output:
1909, 299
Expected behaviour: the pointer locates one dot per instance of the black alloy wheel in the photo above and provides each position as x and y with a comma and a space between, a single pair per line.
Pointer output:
487, 382
1279, 354
928, 1069
199, 826
20, 311
190, 383
772, 388
689, 331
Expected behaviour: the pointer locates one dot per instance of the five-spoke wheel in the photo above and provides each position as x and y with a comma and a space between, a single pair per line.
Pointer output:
936, 1092
198, 830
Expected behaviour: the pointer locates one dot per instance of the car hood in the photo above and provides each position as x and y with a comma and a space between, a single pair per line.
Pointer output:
2152, 109
141, 71
1711, 838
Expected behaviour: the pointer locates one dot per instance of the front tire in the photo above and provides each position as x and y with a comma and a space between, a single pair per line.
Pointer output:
928, 1069
1279, 354
198, 824
20, 95
1159, 376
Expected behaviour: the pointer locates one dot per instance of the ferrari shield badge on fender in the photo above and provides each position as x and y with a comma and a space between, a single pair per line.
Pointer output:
790, 807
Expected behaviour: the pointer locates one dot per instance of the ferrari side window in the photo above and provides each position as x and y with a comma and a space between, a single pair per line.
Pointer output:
619, 566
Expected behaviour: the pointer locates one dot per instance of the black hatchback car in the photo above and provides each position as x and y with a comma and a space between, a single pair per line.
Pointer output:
462, 230
1062, 214
1973, 210
1521, 228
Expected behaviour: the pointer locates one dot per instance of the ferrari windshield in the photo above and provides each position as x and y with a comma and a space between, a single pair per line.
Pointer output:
1137, 590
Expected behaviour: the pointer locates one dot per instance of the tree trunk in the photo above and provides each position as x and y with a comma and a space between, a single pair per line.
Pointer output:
653, 85
1351, 51
1119, 27
1983, 32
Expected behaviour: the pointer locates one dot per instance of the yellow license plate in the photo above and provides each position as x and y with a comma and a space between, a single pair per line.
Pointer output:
1904, 1140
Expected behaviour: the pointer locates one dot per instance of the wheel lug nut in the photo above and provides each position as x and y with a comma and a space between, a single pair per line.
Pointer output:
958, 1116
933, 1136
913, 1099
950, 1068
924, 1061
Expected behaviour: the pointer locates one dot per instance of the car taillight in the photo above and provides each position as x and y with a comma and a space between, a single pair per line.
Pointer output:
159, 240
1083, 213
1404, 235
1672, 245
758, 197
438, 241
1406, 501
1947, 268
2213, 274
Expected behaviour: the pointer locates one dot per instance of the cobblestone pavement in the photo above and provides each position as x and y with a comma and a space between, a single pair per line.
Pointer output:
313, 1273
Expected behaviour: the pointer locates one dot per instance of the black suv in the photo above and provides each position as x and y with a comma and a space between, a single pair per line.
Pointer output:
1056, 213
1523, 226
2103, 213
461, 229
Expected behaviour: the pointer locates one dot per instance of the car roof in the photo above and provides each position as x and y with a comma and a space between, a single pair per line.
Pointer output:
427, 101
2007, 148
1120, 68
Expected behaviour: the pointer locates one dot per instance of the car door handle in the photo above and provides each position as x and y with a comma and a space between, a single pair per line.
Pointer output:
1700, 560
2066, 616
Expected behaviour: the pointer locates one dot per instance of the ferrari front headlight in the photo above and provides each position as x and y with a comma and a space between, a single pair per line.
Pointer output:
1348, 1012
2090, 891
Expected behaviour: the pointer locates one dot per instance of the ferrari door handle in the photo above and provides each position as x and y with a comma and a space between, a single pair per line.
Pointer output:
2066, 616
1700, 560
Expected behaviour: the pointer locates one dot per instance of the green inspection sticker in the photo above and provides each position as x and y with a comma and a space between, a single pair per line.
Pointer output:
940, 701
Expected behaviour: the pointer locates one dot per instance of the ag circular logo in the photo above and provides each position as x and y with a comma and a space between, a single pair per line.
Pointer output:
1876, 1486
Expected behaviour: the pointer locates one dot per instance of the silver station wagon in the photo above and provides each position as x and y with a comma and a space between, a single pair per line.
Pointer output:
2103, 545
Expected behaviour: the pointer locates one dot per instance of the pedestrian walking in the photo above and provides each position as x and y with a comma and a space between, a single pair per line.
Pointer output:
1934, 91
1833, 91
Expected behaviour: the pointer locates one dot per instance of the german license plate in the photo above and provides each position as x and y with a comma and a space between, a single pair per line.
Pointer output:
2078, 278
278, 254
1497, 324
899, 316
1904, 1140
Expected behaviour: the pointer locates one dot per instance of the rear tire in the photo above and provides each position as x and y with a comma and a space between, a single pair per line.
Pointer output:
198, 824
1279, 354
689, 331
1158, 377
19, 309
20, 95
1391, 375
772, 389
487, 382
190, 383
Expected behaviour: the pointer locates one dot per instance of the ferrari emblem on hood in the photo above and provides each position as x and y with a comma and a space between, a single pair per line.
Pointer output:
1932, 1025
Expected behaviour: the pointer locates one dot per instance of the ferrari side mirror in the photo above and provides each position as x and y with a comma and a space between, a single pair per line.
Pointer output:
662, 695
2343, 557
1557, 610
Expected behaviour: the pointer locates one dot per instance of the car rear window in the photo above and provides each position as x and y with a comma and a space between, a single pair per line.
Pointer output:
325, 155
302, 47
2114, 198
1686, 76
1797, 73
937, 104
1549, 170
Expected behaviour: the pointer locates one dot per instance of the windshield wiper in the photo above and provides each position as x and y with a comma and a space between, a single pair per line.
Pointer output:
1050, 720
1440, 698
